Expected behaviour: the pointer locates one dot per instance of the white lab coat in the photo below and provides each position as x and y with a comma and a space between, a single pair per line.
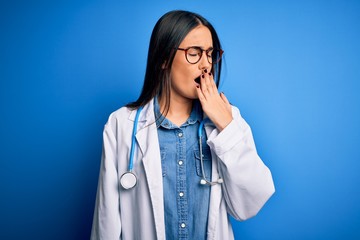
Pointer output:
138, 213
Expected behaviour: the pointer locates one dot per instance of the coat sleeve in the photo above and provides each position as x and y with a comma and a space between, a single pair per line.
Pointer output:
106, 221
247, 181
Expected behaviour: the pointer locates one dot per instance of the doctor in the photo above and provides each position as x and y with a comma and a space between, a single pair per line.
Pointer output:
160, 177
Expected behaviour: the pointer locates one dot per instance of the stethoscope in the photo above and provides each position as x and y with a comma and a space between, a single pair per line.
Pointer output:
128, 180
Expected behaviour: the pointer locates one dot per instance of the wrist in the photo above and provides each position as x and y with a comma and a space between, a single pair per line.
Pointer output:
223, 123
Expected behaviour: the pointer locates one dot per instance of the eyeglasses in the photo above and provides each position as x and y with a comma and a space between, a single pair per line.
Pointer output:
194, 54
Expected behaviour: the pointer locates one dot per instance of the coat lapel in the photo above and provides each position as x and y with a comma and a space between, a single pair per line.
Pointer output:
215, 194
147, 138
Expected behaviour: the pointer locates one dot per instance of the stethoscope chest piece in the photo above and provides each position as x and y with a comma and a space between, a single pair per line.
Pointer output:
128, 180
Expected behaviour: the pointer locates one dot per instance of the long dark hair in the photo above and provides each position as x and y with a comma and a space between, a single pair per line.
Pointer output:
168, 33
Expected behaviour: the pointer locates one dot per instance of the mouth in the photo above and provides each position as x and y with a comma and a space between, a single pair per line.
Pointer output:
197, 80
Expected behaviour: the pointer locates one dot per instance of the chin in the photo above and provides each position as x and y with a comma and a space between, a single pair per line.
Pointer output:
193, 97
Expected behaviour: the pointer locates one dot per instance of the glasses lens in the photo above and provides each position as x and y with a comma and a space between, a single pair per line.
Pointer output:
193, 55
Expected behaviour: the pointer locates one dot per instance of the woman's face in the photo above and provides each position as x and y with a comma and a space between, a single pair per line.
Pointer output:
183, 73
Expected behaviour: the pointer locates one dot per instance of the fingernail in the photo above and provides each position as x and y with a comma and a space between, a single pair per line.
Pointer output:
197, 86
202, 76
210, 74
205, 70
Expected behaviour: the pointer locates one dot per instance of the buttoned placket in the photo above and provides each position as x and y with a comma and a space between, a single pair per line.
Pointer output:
182, 184
182, 192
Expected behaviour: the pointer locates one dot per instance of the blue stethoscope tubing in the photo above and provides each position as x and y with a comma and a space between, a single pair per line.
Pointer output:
128, 180
204, 180
133, 140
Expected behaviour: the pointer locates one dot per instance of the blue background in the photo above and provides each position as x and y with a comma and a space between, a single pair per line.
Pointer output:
292, 67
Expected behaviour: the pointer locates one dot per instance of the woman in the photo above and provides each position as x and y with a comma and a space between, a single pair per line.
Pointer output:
172, 196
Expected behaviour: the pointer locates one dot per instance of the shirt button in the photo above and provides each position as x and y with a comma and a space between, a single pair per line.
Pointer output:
183, 225
181, 162
180, 134
181, 194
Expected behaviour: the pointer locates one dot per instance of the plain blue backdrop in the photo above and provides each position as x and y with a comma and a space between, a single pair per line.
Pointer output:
292, 67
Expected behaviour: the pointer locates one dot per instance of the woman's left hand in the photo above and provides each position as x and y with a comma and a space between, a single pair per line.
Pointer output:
215, 105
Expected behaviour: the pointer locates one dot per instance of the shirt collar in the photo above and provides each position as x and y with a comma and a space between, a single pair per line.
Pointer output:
195, 116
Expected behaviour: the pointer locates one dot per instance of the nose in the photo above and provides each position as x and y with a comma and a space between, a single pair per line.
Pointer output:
204, 63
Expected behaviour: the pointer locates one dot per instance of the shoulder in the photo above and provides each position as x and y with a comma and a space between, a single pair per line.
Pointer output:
120, 115
118, 121
125, 116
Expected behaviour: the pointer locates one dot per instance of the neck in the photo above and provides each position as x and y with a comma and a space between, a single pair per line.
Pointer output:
179, 109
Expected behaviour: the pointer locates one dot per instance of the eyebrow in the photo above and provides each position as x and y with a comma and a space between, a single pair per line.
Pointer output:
210, 48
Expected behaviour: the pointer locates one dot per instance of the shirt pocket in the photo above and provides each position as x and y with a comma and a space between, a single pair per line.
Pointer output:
206, 163
163, 157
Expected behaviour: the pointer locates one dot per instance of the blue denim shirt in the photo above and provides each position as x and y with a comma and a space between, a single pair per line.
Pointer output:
186, 201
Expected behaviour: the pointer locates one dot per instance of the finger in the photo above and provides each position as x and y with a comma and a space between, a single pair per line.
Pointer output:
203, 85
224, 98
208, 85
226, 101
200, 94
212, 84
